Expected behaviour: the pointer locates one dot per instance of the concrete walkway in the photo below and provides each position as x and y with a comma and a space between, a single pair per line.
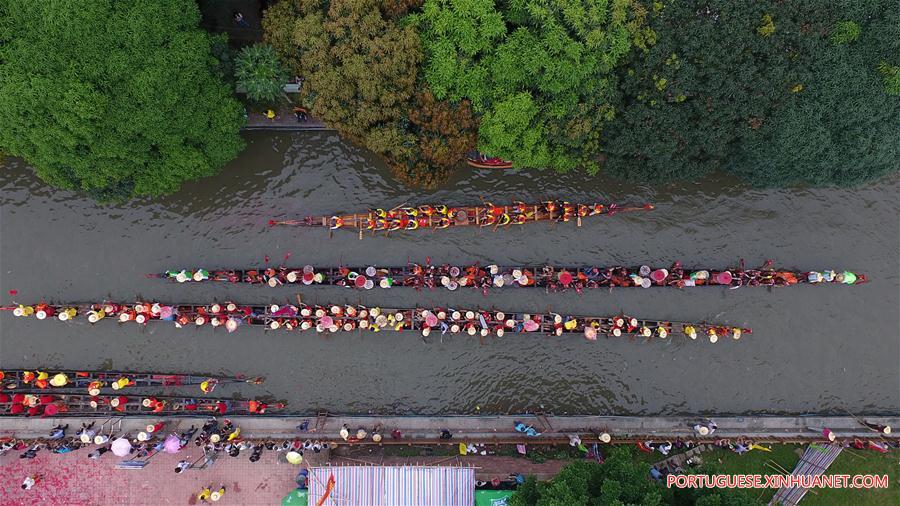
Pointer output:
499, 429
284, 121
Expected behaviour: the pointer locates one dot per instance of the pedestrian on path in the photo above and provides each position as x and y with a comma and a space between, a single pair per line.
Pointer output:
240, 21
96, 454
204, 494
272, 115
215, 496
58, 432
185, 437
30, 481
182, 466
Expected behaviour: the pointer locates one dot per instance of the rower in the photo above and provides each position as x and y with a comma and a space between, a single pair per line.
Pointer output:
846, 277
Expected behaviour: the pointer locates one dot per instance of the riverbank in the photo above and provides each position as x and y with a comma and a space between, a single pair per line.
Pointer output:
500, 429
499, 452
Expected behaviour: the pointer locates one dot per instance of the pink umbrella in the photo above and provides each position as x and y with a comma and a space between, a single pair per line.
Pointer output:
360, 281
165, 312
172, 444
431, 320
565, 277
51, 410
724, 278
121, 447
659, 275
326, 321
531, 325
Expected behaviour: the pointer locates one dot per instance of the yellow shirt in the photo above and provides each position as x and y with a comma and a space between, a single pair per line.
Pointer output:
204, 494
270, 114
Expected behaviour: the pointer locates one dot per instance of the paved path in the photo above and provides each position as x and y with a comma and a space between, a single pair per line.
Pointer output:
73, 478
424, 429
284, 121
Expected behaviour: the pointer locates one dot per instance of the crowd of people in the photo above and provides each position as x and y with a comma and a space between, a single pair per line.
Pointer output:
442, 216
444, 320
551, 278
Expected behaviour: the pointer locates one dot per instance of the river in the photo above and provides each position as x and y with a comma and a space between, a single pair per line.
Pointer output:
822, 349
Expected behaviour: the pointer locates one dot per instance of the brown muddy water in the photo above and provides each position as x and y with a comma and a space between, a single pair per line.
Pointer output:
813, 348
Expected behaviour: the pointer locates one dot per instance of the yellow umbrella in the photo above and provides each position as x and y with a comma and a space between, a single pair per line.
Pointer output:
463, 449
294, 458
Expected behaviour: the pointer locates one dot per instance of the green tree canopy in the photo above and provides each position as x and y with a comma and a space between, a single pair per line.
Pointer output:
360, 68
116, 98
547, 63
260, 73
621, 479
800, 101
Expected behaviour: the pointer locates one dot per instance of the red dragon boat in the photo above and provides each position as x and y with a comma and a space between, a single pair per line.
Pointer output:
334, 318
442, 216
42, 403
94, 381
550, 278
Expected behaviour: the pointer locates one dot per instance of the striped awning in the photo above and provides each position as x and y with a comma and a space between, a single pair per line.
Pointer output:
391, 486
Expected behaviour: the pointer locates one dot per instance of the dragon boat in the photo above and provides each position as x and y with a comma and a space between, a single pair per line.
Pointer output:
334, 318
549, 277
42, 403
94, 381
442, 216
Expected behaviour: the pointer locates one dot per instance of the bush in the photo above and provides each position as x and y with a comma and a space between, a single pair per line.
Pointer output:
259, 72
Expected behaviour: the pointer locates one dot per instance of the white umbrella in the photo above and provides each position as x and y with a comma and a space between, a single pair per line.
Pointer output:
121, 447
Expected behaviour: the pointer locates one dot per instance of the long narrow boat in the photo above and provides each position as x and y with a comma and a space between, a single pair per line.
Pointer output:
482, 161
334, 318
442, 216
94, 381
551, 278
42, 403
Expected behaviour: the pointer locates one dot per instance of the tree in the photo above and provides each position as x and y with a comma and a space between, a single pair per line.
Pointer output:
541, 68
360, 67
444, 133
621, 479
260, 73
781, 105
117, 99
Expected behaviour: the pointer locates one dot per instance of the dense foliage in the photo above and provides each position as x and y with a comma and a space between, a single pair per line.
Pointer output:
259, 72
116, 98
540, 71
775, 92
622, 479
619, 480
360, 71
